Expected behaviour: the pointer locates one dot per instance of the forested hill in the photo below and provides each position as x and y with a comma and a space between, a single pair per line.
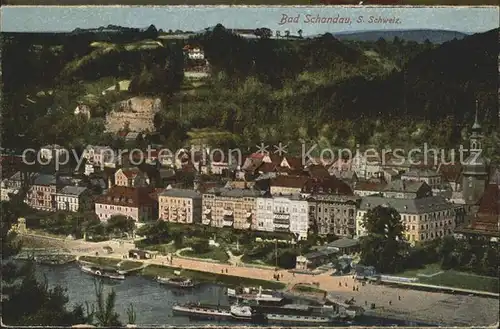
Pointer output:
420, 36
446, 80
321, 86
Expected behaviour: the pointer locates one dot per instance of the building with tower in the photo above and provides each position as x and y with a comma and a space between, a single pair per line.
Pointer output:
475, 167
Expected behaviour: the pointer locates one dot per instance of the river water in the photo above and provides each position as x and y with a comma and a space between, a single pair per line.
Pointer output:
152, 302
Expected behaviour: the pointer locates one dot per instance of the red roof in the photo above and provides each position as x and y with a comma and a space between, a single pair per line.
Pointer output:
294, 162
482, 225
267, 167
289, 181
330, 185
131, 173
450, 172
256, 156
317, 171
490, 201
369, 186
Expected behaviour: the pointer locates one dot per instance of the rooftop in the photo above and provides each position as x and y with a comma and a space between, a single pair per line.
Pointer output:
72, 190
490, 201
408, 206
404, 186
418, 173
369, 186
128, 196
343, 243
289, 181
235, 192
181, 193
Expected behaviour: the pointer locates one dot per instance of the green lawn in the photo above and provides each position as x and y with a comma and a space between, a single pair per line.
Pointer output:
452, 278
463, 280
100, 261
161, 248
215, 254
227, 280
129, 265
428, 269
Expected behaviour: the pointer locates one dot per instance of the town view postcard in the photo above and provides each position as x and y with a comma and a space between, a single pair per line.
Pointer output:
250, 166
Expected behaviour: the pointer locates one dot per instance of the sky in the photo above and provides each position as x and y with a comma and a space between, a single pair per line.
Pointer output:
66, 19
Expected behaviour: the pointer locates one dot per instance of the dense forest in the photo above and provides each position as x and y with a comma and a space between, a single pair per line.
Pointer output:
339, 93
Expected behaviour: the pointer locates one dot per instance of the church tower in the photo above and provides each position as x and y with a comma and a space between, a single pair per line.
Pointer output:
475, 166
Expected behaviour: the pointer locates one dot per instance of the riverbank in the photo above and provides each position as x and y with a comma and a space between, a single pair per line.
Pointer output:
413, 305
154, 270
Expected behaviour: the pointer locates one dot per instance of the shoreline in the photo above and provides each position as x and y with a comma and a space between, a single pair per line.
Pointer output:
391, 302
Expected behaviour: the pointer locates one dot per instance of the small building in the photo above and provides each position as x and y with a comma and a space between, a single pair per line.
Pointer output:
429, 176
131, 177
179, 206
141, 254
345, 246
315, 258
74, 198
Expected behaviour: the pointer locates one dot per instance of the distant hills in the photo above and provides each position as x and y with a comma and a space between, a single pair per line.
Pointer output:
434, 36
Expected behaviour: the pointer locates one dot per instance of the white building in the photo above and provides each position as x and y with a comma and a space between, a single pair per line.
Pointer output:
100, 155
10, 185
196, 53
74, 198
424, 219
83, 110
431, 177
264, 214
283, 215
48, 152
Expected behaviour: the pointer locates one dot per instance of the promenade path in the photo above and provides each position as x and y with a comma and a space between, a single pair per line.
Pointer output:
434, 307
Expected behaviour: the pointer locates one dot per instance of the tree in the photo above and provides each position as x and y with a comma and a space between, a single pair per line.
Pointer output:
103, 313
25, 300
384, 245
200, 245
155, 233
263, 33
120, 224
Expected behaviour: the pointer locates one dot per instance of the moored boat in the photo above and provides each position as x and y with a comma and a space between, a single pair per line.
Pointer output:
179, 282
259, 295
103, 273
203, 311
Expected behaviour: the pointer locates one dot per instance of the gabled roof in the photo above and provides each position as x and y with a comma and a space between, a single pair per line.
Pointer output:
317, 171
420, 173
72, 190
450, 172
490, 201
330, 185
294, 162
266, 167
408, 206
404, 186
180, 193
369, 186
131, 172
289, 181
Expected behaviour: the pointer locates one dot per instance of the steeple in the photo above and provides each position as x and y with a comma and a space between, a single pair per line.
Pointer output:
476, 126
475, 137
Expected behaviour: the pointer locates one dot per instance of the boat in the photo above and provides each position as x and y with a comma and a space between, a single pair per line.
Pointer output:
103, 273
291, 314
259, 295
296, 314
176, 282
203, 311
